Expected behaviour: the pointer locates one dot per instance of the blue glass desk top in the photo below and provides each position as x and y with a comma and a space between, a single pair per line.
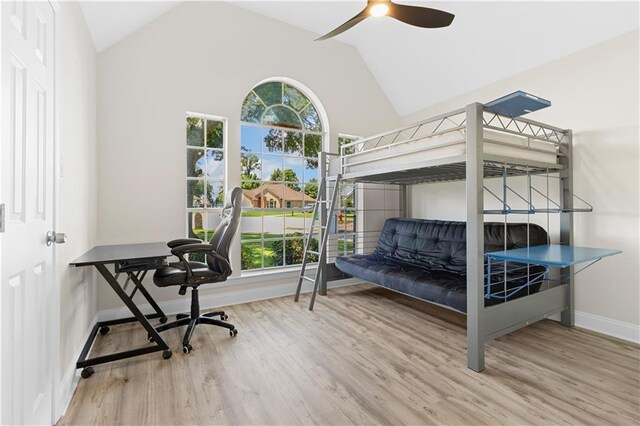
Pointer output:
553, 255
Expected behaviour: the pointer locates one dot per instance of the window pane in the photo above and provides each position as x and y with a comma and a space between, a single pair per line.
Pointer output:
195, 162
272, 141
272, 166
250, 168
343, 141
270, 93
250, 139
294, 98
215, 134
273, 253
293, 171
310, 170
315, 244
251, 256
195, 194
281, 116
311, 194
215, 165
312, 145
215, 193
273, 195
252, 109
203, 224
293, 143
294, 251
294, 223
251, 225
196, 225
195, 132
310, 119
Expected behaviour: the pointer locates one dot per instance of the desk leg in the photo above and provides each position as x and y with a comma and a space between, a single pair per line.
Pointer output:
159, 344
138, 283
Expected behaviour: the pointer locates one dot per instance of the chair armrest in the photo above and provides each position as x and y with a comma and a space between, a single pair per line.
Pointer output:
183, 241
200, 248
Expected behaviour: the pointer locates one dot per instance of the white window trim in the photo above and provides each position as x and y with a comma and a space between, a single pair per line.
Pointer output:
225, 151
326, 146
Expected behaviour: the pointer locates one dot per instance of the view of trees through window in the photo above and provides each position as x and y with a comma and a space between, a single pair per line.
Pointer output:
205, 175
281, 137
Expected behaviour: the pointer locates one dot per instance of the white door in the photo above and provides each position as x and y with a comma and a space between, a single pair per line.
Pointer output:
27, 167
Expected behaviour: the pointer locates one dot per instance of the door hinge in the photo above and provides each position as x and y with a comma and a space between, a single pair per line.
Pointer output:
2, 219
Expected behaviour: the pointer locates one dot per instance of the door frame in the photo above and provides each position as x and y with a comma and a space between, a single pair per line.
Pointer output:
56, 408
55, 281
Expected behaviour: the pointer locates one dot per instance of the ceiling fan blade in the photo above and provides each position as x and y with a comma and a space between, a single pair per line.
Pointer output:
420, 16
344, 27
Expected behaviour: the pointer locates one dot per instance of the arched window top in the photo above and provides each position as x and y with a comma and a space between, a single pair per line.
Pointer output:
276, 103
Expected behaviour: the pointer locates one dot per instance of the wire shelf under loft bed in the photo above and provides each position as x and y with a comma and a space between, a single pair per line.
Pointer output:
450, 169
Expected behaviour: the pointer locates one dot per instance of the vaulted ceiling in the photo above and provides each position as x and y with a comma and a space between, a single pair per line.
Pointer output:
417, 68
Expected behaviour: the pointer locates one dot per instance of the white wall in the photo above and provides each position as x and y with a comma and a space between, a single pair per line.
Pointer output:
76, 72
594, 92
204, 57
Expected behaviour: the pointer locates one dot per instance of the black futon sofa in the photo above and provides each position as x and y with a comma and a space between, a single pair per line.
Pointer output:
427, 259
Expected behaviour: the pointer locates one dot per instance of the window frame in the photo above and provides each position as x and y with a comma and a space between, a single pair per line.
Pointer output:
204, 211
323, 135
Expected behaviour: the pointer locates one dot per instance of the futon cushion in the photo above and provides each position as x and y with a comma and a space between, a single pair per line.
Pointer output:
427, 259
438, 245
435, 286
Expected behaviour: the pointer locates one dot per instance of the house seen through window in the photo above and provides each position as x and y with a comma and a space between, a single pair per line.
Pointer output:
281, 137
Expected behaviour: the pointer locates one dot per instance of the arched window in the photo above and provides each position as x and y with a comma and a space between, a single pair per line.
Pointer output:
281, 105
282, 134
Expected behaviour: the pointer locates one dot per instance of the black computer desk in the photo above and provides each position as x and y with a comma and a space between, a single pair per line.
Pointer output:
134, 261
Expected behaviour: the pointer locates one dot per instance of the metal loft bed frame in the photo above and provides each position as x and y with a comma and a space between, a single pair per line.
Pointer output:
473, 165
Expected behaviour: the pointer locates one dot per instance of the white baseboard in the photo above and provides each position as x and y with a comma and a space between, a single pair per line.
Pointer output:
227, 297
69, 380
610, 327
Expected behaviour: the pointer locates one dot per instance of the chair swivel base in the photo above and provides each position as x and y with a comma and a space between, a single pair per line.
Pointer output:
195, 318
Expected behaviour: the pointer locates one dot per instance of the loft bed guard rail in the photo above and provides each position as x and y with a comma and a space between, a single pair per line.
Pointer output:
470, 144
434, 150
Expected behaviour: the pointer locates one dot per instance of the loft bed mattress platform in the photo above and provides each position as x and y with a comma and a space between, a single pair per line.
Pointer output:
435, 150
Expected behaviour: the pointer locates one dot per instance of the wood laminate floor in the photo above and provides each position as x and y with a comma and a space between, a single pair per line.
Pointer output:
365, 355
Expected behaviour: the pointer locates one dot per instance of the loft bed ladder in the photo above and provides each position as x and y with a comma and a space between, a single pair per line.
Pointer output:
323, 227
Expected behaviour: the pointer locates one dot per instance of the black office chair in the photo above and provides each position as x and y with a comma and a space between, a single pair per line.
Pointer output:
193, 274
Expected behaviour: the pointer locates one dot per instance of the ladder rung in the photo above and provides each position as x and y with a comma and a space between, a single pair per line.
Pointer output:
313, 252
304, 277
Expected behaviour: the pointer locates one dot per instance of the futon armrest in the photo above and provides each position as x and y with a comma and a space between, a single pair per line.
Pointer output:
183, 241
200, 248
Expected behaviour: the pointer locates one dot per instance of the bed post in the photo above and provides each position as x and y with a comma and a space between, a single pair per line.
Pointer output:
475, 238
567, 317
404, 201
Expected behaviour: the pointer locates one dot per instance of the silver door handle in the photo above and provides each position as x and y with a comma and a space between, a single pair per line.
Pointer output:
56, 237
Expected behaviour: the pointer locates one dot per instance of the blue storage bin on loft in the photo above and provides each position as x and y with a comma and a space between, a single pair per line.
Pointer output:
517, 104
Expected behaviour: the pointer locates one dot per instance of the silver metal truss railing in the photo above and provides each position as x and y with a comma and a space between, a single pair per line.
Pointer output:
454, 121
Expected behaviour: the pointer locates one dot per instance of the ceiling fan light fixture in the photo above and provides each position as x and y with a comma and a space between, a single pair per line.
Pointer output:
378, 10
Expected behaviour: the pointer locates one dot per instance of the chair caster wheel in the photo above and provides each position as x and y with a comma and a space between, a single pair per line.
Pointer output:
233, 333
104, 330
87, 372
224, 317
166, 354
150, 338
163, 320
186, 349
